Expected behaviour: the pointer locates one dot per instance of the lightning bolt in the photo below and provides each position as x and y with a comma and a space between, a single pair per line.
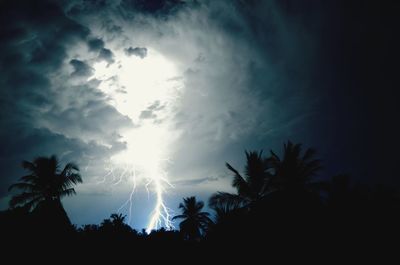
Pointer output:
161, 213
152, 83
129, 201
157, 182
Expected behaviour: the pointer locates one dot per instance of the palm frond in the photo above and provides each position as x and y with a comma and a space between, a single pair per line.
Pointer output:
205, 220
23, 198
199, 205
203, 214
67, 192
225, 198
70, 167
70, 175
28, 165
70, 180
274, 157
181, 216
29, 178
239, 182
32, 204
22, 186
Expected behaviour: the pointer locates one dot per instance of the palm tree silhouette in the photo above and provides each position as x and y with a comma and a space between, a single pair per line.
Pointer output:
295, 171
118, 219
263, 176
46, 183
195, 222
250, 188
223, 207
115, 225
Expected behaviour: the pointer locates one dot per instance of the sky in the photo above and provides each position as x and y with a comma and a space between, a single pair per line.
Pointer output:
141, 92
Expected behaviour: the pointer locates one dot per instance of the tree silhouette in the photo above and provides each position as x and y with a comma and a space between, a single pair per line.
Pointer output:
295, 171
118, 219
195, 222
265, 176
250, 188
45, 183
223, 208
115, 225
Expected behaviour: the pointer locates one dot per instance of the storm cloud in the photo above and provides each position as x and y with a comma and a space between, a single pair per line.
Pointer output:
81, 68
46, 111
140, 52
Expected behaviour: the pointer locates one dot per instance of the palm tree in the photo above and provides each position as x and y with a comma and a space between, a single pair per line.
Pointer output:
45, 183
223, 207
116, 225
195, 222
295, 171
250, 188
263, 176
118, 219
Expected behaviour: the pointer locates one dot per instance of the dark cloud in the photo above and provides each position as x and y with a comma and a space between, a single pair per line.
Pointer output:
106, 55
76, 8
91, 118
96, 44
81, 69
43, 110
38, 35
126, 8
197, 181
156, 106
151, 111
147, 114
153, 7
140, 52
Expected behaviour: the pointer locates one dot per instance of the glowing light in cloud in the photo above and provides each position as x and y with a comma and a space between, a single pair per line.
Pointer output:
146, 90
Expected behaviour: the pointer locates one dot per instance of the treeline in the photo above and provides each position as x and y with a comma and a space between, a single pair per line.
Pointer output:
278, 204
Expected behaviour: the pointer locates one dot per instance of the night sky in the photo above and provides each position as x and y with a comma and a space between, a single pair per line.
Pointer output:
190, 85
